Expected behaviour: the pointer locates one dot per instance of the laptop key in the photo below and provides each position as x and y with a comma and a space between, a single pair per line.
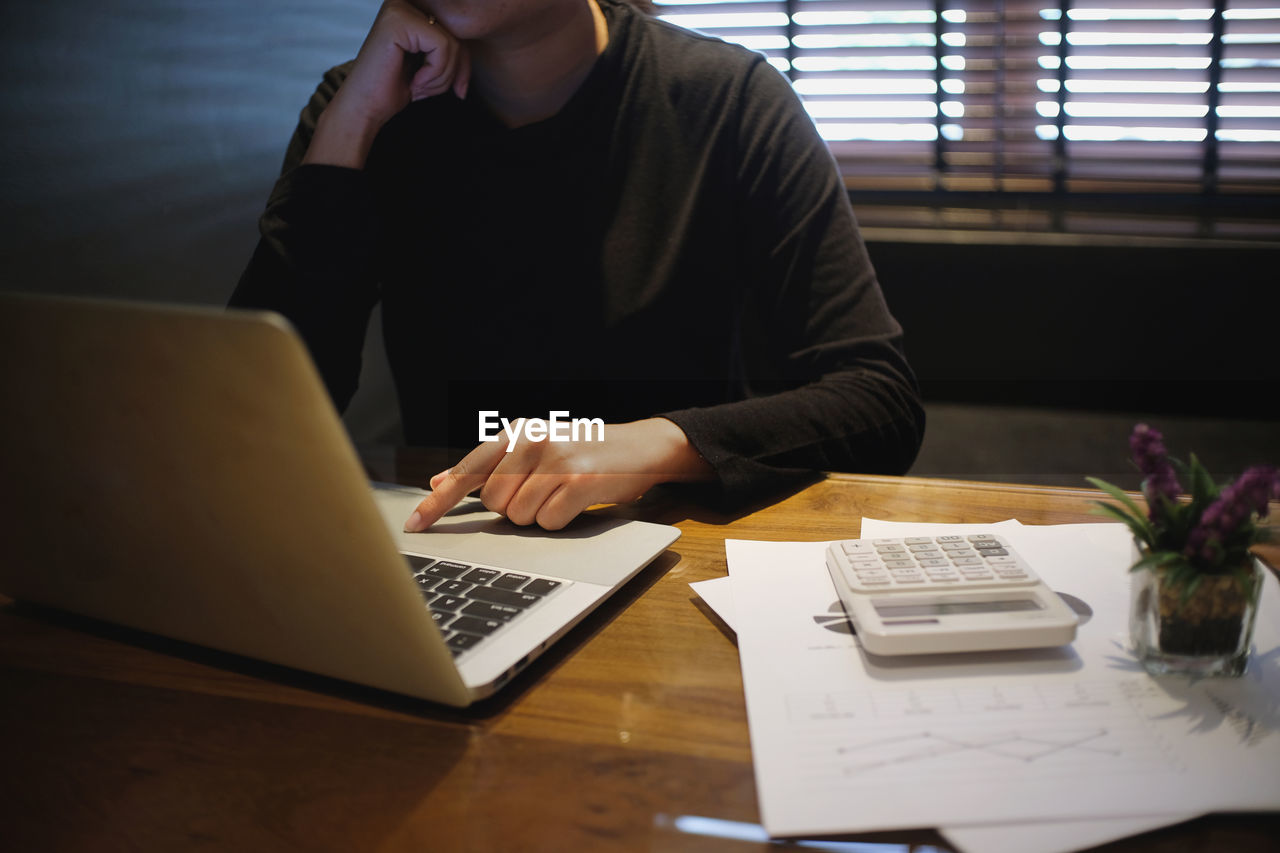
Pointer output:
476, 625
462, 642
442, 617
489, 610
503, 596
453, 587
448, 570
448, 602
541, 586
481, 576
510, 580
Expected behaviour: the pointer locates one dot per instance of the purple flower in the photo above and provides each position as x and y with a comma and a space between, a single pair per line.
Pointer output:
1233, 508
1147, 446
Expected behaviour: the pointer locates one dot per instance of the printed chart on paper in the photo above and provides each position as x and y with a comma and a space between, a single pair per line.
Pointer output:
970, 733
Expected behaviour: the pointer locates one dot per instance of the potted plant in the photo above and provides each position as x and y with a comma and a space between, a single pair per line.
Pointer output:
1196, 584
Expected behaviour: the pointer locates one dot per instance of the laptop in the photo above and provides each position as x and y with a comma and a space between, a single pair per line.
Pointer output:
183, 471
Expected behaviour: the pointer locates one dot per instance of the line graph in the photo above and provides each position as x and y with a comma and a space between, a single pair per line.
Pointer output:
1013, 746
975, 732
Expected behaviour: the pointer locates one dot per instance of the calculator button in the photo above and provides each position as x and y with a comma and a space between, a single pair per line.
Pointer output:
921, 546
865, 564
918, 540
874, 581
967, 561
955, 546
993, 552
950, 538
899, 564
933, 562
855, 546
891, 549
1002, 561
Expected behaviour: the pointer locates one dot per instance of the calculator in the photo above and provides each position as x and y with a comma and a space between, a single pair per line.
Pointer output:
930, 594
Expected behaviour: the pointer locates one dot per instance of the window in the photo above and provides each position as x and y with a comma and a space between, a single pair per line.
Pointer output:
1159, 115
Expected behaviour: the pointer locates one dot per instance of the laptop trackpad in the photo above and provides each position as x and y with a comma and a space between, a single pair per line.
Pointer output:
591, 549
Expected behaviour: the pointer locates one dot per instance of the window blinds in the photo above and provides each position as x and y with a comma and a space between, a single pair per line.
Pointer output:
1068, 98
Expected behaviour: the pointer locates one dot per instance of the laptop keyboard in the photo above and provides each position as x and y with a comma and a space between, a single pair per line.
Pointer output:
472, 603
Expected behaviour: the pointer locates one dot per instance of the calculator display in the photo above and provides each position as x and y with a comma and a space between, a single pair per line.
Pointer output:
947, 608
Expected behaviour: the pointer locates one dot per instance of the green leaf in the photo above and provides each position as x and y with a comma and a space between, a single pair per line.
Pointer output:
1141, 530
1154, 559
1203, 490
1120, 495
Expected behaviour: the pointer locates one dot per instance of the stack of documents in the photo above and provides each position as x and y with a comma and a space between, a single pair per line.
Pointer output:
1033, 750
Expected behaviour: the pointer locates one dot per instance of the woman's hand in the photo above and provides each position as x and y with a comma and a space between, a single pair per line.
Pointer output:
407, 56
550, 482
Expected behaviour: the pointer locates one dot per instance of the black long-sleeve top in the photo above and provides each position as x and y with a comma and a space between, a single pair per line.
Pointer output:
675, 241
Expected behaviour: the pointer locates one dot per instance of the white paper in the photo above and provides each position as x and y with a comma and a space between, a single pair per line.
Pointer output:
846, 743
1051, 837
1038, 837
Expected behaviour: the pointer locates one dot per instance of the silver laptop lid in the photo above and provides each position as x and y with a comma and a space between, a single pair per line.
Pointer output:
183, 471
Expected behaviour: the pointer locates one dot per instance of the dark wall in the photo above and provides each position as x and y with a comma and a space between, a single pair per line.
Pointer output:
140, 137
1166, 328
139, 140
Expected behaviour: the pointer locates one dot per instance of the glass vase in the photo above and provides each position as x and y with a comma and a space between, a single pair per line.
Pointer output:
1206, 632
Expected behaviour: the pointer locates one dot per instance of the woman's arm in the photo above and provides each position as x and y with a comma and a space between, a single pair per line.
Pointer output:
316, 259
825, 384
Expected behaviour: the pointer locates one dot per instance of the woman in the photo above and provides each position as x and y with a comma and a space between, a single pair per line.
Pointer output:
567, 205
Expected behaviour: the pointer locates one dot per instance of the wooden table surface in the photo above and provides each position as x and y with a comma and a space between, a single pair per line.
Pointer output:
620, 738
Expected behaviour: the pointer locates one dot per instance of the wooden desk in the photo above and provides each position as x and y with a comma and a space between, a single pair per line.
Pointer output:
119, 741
